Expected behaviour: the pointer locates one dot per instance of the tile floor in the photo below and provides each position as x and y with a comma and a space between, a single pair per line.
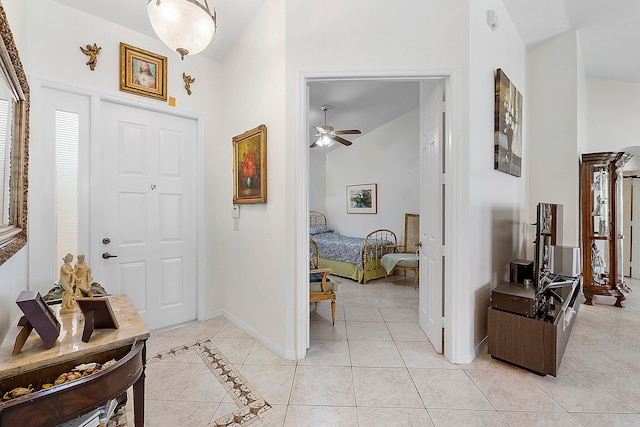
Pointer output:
375, 367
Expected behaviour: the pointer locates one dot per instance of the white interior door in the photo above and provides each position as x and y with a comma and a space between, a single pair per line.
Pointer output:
633, 236
431, 203
145, 179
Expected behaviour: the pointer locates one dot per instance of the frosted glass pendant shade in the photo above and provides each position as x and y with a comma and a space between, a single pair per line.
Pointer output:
186, 26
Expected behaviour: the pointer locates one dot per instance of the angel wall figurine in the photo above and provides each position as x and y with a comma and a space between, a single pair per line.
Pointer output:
187, 82
92, 52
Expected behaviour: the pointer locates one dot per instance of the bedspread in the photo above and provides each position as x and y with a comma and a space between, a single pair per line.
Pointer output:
342, 248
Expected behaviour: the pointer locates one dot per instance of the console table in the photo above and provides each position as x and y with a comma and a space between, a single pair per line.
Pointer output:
35, 365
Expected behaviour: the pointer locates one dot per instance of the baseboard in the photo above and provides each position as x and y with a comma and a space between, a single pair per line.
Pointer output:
468, 358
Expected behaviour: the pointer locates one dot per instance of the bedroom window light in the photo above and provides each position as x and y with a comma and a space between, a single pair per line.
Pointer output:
66, 190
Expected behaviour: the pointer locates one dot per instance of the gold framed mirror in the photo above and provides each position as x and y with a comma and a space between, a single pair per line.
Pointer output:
14, 159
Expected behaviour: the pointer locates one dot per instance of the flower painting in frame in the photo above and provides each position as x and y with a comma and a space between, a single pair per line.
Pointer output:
250, 166
507, 126
362, 198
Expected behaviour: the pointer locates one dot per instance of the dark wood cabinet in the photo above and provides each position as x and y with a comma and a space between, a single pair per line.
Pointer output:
601, 225
535, 343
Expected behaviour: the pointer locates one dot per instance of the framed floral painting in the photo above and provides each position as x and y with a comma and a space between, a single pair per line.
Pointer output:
507, 126
142, 72
250, 166
362, 198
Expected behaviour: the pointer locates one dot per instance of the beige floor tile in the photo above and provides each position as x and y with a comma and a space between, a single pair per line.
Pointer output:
159, 376
405, 417
589, 358
321, 416
261, 355
459, 417
599, 420
352, 300
420, 354
375, 354
273, 418
448, 389
262, 380
512, 391
575, 393
406, 331
368, 331
321, 385
195, 383
623, 385
540, 419
327, 353
363, 314
392, 301
159, 414
399, 314
324, 330
235, 350
385, 387
230, 330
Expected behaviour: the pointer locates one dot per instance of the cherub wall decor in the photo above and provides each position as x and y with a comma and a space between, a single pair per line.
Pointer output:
92, 52
187, 82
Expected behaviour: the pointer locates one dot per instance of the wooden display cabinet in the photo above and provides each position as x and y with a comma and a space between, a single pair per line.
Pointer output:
601, 212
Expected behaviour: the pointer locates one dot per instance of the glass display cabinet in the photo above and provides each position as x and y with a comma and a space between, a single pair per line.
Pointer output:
601, 210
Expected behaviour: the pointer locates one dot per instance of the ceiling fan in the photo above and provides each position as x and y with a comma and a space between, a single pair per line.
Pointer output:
326, 135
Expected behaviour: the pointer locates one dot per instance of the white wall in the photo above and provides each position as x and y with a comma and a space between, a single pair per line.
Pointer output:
613, 108
255, 282
497, 201
317, 180
388, 157
555, 70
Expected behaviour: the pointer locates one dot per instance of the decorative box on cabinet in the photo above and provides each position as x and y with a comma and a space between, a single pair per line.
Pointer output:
601, 211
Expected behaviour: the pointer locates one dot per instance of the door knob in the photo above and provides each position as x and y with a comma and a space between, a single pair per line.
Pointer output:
419, 244
107, 255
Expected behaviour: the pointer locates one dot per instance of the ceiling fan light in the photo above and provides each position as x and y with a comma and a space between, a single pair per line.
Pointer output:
325, 141
186, 26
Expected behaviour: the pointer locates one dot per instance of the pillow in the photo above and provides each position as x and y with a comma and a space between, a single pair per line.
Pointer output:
319, 229
316, 277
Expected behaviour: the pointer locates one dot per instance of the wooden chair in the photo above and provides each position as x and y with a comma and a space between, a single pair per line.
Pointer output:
411, 247
320, 287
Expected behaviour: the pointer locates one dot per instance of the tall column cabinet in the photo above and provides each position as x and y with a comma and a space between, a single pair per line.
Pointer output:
601, 211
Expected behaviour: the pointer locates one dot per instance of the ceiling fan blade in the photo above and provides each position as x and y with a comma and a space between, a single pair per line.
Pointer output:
314, 143
348, 132
341, 140
324, 129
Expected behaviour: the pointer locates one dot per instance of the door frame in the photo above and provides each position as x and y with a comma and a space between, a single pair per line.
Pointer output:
456, 178
86, 187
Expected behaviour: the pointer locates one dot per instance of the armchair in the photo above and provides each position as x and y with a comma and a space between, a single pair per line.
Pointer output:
320, 287
405, 257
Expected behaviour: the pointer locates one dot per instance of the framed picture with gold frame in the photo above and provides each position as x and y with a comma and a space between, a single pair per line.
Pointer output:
250, 166
142, 72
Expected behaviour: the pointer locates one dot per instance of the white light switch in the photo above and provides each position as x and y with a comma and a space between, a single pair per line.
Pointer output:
236, 211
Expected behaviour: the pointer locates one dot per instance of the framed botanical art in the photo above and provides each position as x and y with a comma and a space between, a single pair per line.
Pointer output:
362, 198
250, 166
142, 72
507, 126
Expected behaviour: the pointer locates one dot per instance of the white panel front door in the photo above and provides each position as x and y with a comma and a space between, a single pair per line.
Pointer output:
145, 183
431, 203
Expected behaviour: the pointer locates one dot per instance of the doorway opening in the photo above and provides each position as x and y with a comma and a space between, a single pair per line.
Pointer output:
352, 87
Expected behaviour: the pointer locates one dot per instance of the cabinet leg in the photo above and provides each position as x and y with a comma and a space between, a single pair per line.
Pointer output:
619, 300
588, 299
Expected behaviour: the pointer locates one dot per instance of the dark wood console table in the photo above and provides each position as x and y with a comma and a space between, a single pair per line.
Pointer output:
36, 365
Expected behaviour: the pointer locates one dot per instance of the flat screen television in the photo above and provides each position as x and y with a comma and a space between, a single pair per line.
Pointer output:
548, 235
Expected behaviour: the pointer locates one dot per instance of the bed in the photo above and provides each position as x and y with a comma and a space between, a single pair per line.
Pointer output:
352, 257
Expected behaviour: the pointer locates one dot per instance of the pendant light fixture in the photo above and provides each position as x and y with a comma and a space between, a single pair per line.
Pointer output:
186, 26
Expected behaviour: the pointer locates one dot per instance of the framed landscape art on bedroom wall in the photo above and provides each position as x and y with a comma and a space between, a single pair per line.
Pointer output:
362, 198
507, 126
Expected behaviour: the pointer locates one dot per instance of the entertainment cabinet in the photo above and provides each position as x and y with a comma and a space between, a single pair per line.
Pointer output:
535, 343
529, 323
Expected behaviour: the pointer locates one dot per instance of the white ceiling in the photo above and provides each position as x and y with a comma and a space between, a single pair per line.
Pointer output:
609, 31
